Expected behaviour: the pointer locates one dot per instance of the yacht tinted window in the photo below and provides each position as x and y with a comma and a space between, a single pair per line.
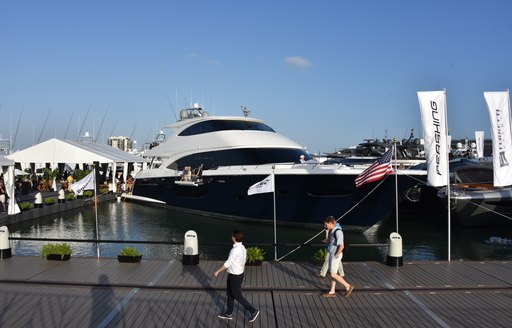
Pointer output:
214, 159
212, 126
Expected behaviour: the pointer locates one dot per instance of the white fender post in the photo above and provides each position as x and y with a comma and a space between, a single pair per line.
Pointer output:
5, 249
190, 248
62, 196
395, 257
38, 201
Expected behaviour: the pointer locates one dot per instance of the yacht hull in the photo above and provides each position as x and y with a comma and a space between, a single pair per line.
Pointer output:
474, 208
299, 199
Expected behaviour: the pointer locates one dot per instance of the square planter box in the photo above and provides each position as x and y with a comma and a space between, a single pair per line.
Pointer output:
58, 257
129, 259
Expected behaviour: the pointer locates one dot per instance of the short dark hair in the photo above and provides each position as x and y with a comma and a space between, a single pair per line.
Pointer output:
238, 234
330, 219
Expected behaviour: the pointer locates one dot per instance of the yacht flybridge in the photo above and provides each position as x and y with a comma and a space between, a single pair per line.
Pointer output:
208, 164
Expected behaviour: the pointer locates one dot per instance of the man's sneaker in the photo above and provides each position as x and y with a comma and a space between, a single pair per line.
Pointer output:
254, 316
225, 316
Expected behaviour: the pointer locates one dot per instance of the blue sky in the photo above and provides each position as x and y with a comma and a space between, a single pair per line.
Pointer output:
327, 74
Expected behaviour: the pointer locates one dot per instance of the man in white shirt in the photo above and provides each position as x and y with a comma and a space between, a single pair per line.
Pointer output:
235, 265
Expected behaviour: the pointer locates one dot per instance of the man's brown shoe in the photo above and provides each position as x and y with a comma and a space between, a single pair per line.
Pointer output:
349, 291
328, 295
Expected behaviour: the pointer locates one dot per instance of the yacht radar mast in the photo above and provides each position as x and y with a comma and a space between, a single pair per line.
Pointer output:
246, 111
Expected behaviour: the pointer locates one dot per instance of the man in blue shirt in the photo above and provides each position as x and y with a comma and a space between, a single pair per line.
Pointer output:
335, 255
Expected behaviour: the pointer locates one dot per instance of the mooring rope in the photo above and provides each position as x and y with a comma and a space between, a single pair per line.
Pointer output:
341, 217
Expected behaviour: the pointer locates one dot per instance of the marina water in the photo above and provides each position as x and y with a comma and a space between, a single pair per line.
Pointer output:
424, 238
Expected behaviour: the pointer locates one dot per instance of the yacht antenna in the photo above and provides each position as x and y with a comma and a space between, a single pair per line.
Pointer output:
17, 127
44, 125
175, 117
67, 127
133, 131
85, 119
101, 125
112, 132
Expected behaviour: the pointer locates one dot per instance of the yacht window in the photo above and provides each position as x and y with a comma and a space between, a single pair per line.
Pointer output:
213, 126
213, 159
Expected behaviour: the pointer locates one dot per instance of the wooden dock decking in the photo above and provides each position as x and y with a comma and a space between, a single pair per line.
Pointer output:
90, 292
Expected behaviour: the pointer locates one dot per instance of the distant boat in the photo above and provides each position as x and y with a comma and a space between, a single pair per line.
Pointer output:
498, 241
208, 163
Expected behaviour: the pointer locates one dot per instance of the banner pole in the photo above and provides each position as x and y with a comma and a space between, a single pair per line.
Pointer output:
275, 225
448, 179
396, 184
96, 213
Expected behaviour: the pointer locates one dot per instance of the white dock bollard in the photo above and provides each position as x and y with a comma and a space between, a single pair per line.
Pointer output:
62, 196
38, 202
395, 257
190, 248
5, 249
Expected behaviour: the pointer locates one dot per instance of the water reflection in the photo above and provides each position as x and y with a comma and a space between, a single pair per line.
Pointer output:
423, 239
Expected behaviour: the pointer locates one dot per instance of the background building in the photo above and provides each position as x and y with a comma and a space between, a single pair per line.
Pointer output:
123, 143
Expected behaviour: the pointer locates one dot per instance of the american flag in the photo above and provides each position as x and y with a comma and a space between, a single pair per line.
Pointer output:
377, 170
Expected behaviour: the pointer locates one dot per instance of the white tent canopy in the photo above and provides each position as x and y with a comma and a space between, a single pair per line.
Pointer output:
64, 151
55, 151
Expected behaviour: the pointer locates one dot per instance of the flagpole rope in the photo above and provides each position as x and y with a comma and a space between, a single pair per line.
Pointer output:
341, 217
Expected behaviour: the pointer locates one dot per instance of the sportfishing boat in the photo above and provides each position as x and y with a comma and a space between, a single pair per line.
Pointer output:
475, 201
208, 164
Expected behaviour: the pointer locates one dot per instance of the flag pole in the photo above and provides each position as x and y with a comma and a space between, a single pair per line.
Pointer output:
275, 225
96, 212
396, 184
448, 178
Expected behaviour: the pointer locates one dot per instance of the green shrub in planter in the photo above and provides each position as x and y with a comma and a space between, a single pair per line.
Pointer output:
70, 196
104, 190
129, 251
88, 193
25, 206
49, 201
129, 255
61, 249
255, 254
320, 254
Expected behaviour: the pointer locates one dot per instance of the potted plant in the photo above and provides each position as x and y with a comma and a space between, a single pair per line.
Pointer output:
88, 193
255, 255
60, 251
49, 201
70, 196
52, 175
129, 255
25, 206
319, 256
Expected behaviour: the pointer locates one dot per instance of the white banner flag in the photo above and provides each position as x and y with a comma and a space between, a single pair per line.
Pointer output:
498, 104
13, 207
433, 119
86, 183
265, 185
479, 140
